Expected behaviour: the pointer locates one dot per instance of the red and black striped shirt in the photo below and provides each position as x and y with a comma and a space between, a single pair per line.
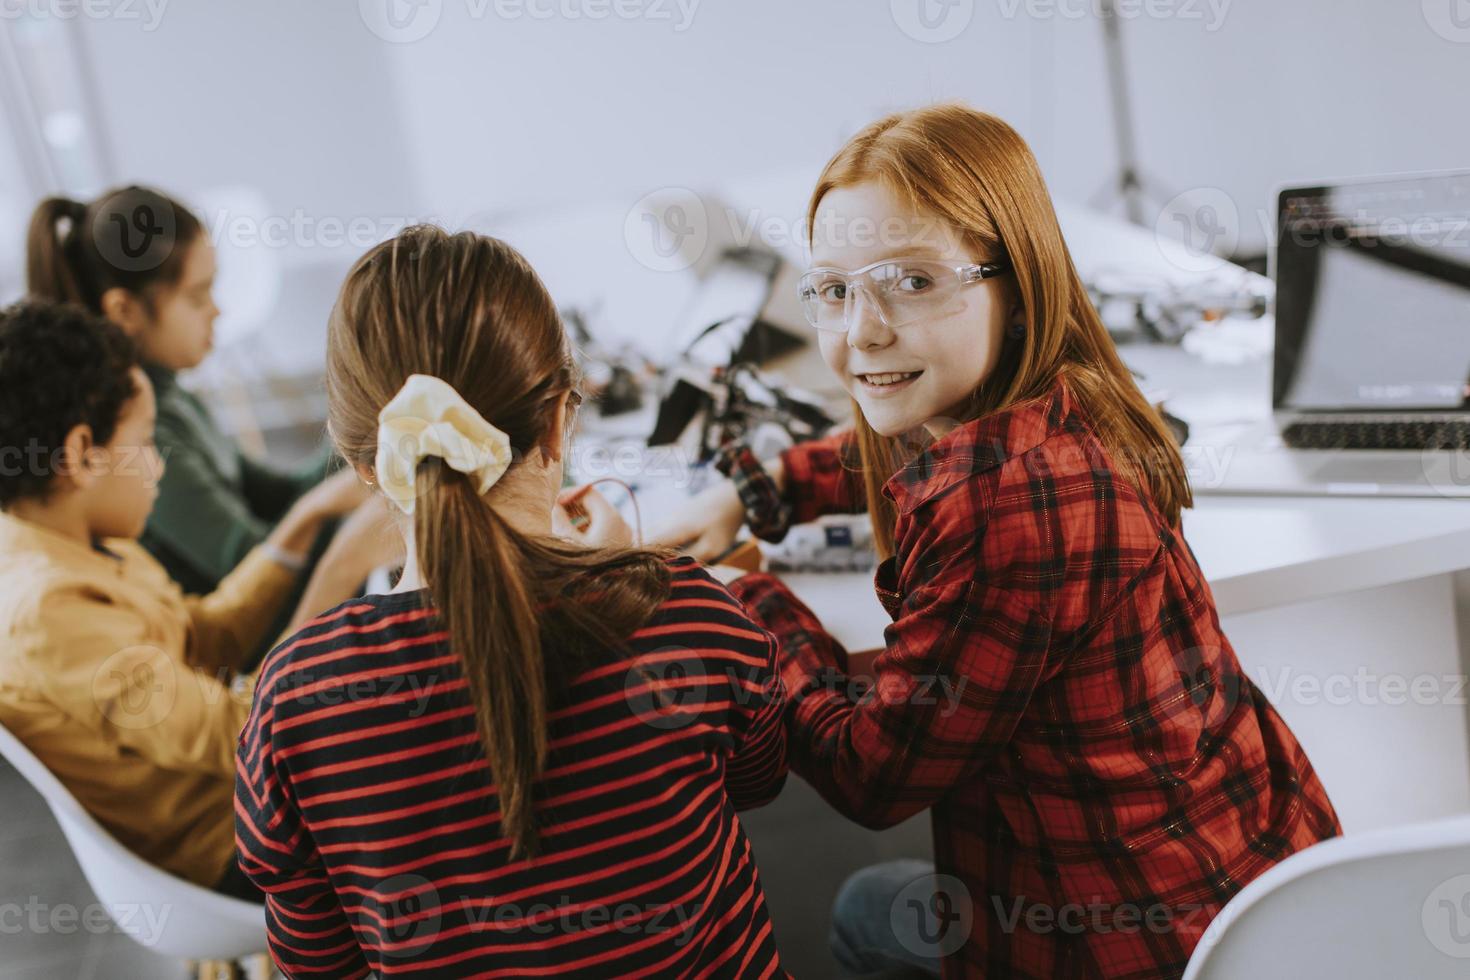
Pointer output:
366, 812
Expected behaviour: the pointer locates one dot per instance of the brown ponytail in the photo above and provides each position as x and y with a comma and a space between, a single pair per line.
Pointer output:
50, 271
524, 613
132, 238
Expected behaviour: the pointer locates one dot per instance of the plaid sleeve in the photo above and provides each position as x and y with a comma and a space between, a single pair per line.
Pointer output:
307, 930
817, 481
962, 658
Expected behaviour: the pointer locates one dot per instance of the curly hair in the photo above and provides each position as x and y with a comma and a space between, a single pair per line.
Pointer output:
60, 366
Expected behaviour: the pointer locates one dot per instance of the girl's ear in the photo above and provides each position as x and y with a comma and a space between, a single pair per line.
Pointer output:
1016, 326
76, 452
556, 439
126, 310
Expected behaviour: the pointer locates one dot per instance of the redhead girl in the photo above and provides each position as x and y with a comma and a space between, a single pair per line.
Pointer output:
527, 759
1107, 777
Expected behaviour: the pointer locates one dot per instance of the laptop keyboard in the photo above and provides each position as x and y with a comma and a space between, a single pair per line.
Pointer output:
1394, 433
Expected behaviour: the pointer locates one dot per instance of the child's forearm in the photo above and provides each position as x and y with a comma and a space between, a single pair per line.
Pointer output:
294, 535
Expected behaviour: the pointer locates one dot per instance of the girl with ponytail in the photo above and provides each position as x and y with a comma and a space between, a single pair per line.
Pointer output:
143, 261
1099, 746
527, 758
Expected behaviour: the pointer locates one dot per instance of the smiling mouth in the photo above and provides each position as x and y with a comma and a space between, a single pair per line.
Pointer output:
890, 379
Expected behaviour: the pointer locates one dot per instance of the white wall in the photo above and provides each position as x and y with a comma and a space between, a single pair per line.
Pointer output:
492, 112
292, 99
520, 112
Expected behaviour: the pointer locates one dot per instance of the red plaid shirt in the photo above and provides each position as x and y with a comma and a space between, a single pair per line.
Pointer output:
1056, 688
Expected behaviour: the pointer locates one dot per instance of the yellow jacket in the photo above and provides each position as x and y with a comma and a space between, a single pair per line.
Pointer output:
120, 684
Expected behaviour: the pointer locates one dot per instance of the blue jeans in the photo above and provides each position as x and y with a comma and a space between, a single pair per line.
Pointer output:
882, 925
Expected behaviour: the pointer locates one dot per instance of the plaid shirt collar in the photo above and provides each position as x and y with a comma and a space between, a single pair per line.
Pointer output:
979, 445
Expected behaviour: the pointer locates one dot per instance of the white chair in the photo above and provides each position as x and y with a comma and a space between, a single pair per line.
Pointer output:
1386, 903
169, 915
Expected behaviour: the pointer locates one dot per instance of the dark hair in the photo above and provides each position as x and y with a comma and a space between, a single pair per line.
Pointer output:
470, 310
60, 367
130, 237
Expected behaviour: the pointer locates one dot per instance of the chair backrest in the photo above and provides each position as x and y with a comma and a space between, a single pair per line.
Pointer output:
1387, 903
157, 909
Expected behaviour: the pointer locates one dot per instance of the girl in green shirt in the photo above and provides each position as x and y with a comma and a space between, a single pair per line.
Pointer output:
143, 261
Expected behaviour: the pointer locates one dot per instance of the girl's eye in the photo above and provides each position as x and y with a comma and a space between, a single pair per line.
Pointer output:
832, 292
914, 282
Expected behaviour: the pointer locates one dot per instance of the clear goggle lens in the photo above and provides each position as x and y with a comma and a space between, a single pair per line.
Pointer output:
899, 291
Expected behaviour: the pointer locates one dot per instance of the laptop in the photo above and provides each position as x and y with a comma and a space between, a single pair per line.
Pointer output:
1370, 384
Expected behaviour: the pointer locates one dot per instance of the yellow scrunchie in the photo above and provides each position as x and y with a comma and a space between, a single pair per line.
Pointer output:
429, 418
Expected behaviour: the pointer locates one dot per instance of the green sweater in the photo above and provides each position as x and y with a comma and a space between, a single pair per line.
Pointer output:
215, 503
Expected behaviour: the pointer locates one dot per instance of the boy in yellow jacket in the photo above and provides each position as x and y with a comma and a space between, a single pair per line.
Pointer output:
125, 687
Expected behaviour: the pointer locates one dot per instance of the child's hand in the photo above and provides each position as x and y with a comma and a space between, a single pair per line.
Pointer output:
706, 525
366, 540
338, 494
585, 516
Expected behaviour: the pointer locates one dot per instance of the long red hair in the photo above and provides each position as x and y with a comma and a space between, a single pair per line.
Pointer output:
975, 172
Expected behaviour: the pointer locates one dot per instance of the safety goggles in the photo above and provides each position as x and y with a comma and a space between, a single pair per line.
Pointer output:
899, 291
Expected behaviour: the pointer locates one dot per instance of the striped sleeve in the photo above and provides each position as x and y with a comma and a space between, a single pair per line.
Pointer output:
757, 766
735, 664
308, 932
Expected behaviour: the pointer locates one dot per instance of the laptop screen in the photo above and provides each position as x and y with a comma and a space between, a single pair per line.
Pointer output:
1373, 295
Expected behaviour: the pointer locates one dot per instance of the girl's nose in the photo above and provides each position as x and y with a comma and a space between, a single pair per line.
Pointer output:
865, 327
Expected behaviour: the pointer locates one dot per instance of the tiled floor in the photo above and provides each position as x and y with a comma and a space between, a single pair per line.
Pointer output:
804, 850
